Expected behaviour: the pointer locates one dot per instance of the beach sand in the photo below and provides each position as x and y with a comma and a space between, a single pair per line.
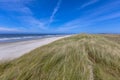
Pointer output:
9, 51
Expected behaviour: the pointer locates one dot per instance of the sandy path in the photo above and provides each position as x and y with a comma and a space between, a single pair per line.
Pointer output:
14, 50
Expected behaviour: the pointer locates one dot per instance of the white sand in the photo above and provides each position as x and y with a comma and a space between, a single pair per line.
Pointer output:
14, 50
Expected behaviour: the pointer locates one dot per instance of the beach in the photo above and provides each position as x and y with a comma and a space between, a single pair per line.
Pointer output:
9, 51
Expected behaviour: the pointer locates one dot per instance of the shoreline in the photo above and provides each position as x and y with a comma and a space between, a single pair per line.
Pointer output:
19, 39
10, 51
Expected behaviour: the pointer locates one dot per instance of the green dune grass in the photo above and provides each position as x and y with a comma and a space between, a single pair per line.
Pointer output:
80, 57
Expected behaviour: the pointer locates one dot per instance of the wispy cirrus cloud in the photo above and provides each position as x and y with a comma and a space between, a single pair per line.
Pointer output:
101, 10
89, 3
33, 22
8, 29
26, 15
16, 6
107, 17
100, 15
80, 23
72, 25
55, 11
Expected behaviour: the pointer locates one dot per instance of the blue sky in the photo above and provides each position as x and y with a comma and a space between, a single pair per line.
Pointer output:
59, 16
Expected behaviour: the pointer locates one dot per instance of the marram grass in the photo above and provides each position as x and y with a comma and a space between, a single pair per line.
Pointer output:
80, 57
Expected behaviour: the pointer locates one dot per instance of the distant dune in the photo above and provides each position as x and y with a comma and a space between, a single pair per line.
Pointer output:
80, 57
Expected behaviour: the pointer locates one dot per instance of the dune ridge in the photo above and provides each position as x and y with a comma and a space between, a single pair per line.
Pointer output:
80, 57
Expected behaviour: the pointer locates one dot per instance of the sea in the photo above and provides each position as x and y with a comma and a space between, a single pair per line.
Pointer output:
22, 37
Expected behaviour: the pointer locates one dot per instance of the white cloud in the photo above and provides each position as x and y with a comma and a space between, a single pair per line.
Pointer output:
72, 25
93, 17
8, 29
16, 6
107, 17
33, 22
80, 23
89, 3
26, 15
55, 11
106, 8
